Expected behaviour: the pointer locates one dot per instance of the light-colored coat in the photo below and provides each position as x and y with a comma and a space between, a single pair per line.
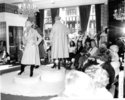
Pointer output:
59, 41
31, 41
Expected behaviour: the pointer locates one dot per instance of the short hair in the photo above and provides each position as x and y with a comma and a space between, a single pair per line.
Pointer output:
72, 42
106, 30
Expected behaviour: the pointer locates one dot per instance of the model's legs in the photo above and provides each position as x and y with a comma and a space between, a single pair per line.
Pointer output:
31, 70
59, 63
22, 69
54, 66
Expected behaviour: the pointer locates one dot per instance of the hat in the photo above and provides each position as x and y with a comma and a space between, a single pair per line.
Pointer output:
31, 19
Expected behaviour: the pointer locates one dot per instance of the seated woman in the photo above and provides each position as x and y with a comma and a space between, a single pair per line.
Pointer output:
72, 48
4, 57
93, 50
79, 48
94, 64
80, 86
115, 58
88, 52
83, 54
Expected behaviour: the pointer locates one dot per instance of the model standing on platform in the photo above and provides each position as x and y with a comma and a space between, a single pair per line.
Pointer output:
59, 41
31, 40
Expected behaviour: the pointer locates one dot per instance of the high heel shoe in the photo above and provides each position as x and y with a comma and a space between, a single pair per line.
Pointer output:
36, 66
20, 73
31, 74
54, 66
22, 69
59, 66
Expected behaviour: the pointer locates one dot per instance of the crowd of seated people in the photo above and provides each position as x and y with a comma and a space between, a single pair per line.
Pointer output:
105, 53
85, 48
80, 51
102, 66
90, 84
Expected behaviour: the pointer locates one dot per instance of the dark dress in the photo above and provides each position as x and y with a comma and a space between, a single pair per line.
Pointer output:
77, 56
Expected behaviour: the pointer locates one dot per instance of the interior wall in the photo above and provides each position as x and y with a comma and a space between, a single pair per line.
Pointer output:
116, 27
11, 20
42, 4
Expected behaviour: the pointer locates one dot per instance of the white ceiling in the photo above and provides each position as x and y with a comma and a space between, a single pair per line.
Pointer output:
42, 4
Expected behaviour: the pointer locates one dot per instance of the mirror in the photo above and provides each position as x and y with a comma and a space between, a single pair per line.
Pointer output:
15, 38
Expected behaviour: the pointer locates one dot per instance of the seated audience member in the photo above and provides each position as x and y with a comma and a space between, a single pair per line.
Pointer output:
72, 48
82, 58
81, 35
79, 48
87, 45
103, 53
115, 58
93, 50
80, 86
87, 53
4, 57
93, 64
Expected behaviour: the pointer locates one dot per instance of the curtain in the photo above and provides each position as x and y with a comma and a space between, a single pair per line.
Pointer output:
84, 12
98, 20
54, 13
40, 19
40, 23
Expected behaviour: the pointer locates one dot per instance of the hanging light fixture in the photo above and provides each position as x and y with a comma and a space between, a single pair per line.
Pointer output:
27, 8
119, 14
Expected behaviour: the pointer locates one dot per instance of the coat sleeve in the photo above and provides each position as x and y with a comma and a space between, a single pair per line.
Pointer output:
23, 38
52, 34
39, 37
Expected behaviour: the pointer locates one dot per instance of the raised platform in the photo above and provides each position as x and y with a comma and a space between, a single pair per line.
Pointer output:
8, 68
45, 82
24, 79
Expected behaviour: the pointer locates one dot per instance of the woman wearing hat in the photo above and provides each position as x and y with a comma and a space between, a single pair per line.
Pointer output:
31, 40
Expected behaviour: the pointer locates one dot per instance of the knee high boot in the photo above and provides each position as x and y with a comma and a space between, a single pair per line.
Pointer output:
64, 63
31, 70
54, 66
59, 64
22, 69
